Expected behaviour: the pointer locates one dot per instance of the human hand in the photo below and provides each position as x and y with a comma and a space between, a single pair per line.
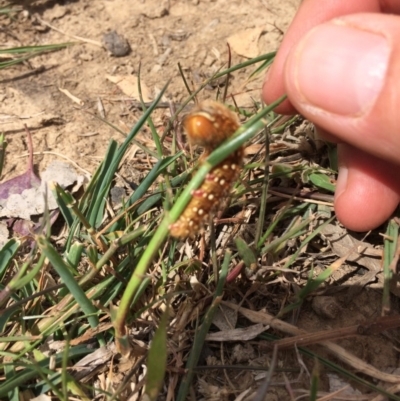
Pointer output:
339, 64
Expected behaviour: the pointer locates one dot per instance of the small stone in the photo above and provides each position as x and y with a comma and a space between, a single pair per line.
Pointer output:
117, 195
116, 44
326, 307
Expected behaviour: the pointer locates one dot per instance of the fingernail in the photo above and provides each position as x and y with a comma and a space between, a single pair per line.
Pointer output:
340, 69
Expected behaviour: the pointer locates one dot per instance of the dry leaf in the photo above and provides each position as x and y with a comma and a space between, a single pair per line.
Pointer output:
245, 43
225, 318
341, 387
30, 201
129, 85
90, 362
246, 334
343, 243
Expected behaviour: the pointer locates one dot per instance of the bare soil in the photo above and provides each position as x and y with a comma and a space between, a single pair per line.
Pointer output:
161, 34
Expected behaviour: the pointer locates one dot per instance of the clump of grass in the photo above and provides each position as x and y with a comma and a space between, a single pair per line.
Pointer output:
10, 10
119, 286
17, 55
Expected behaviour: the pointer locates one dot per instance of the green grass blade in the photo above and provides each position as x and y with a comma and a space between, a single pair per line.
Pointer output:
390, 259
14, 394
32, 371
63, 270
62, 204
306, 241
314, 381
29, 51
150, 178
74, 254
104, 184
153, 199
246, 253
35, 49
24, 275
3, 146
323, 181
7, 254
202, 332
157, 359
153, 130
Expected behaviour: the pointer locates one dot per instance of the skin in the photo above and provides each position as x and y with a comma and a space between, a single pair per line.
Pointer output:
339, 64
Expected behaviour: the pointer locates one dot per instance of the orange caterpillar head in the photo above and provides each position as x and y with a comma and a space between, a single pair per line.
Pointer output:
209, 124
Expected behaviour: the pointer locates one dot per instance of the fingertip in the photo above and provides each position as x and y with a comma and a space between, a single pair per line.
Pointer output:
367, 191
334, 96
273, 89
358, 213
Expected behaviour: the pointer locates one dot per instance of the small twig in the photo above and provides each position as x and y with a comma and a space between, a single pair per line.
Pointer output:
46, 152
308, 198
264, 194
100, 108
337, 350
154, 44
228, 76
30, 148
377, 326
75, 99
92, 42
262, 390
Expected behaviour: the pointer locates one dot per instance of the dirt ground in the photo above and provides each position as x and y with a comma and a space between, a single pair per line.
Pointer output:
160, 35
60, 96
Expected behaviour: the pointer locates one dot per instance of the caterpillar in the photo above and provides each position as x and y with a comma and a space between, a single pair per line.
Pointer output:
208, 125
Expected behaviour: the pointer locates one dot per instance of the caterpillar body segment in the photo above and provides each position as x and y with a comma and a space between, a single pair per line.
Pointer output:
208, 125
208, 197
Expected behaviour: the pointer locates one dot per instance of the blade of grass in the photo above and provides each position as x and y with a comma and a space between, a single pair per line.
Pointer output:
134, 141
154, 134
103, 185
7, 254
263, 204
306, 241
63, 270
25, 275
202, 332
263, 389
314, 381
157, 359
30, 51
294, 233
35, 49
3, 146
31, 371
13, 394
62, 203
390, 259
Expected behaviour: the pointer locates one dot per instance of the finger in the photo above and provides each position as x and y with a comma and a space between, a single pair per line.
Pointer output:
390, 6
367, 191
310, 14
345, 77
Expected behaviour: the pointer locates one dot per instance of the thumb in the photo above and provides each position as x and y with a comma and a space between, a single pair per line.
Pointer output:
344, 75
